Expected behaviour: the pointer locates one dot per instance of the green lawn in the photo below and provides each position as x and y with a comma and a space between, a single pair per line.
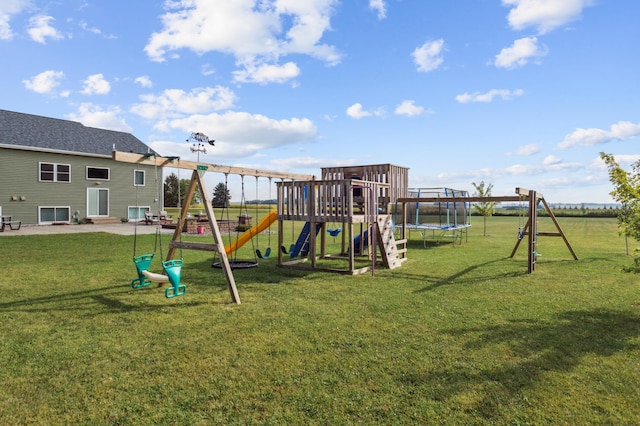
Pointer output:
457, 335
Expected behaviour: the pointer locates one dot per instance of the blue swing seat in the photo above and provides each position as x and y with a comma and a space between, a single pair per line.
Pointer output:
173, 269
142, 262
334, 232
266, 254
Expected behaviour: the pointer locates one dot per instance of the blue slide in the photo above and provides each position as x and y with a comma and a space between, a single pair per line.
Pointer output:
301, 247
365, 244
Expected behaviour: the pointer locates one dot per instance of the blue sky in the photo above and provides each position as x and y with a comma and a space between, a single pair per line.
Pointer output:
513, 92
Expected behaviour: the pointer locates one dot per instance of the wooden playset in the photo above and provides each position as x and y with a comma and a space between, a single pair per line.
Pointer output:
357, 198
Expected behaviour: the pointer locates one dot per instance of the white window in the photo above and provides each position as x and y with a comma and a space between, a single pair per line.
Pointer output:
54, 214
97, 173
138, 178
97, 202
53, 172
137, 213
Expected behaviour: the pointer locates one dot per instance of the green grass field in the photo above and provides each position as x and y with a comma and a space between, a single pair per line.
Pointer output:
457, 335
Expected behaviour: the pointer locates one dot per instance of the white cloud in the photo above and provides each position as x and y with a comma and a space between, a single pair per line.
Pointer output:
489, 96
207, 69
39, 29
95, 116
380, 7
95, 85
544, 15
588, 137
520, 53
356, 111
143, 81
313, 163
266, 73
94, 30
269, 31
5, 28
525, 150
240, 134
85, 26
177, 102
553, 165
428, 57
45, 82
8, 8
409, 108
551, 160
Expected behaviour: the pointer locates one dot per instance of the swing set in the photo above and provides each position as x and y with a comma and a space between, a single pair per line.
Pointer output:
529, 229
172, 267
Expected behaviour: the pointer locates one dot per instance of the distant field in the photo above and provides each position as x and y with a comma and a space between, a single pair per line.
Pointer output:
460, 334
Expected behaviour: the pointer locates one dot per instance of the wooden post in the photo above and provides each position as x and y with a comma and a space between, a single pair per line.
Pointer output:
197, 181
311, 215
560, 231
280, 198
533, 230
404, 227
352, 249
213, 223
183, 213
323, 240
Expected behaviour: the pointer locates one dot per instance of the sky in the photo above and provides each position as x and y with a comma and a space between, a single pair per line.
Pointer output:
515, 93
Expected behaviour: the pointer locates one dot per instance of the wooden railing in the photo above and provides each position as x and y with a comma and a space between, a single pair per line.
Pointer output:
330, 200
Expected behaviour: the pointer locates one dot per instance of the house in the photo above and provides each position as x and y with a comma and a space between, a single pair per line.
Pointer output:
59, 171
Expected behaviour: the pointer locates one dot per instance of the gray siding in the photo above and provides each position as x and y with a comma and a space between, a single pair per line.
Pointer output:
21, 192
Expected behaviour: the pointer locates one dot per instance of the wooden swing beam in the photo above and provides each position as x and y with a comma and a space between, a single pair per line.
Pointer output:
197, 181
530, 229
159, 161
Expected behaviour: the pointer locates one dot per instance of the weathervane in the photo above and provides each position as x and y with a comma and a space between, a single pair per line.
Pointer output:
199, 143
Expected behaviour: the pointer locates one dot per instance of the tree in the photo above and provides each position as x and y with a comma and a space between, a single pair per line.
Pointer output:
486, 209
184, 188
171, 190
627, 192
221, 196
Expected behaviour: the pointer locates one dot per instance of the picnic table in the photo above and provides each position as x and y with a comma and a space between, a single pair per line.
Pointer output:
5, 221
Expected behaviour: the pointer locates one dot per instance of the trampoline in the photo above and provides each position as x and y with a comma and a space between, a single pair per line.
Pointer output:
438, 220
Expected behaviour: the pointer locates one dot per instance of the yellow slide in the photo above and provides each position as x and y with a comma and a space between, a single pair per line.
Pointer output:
264, 223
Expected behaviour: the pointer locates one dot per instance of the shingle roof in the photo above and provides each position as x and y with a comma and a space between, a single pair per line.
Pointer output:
26, 130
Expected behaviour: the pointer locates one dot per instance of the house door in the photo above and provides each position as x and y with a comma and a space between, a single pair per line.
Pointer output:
97, 202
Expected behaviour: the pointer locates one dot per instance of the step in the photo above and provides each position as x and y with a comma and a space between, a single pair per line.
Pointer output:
102, 220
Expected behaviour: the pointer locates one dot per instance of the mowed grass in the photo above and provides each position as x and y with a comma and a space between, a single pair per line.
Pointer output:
457, 335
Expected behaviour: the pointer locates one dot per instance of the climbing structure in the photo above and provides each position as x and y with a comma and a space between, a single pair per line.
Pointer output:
360, 206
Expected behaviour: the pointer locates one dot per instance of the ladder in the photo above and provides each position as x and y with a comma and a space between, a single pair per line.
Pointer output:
387, 243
